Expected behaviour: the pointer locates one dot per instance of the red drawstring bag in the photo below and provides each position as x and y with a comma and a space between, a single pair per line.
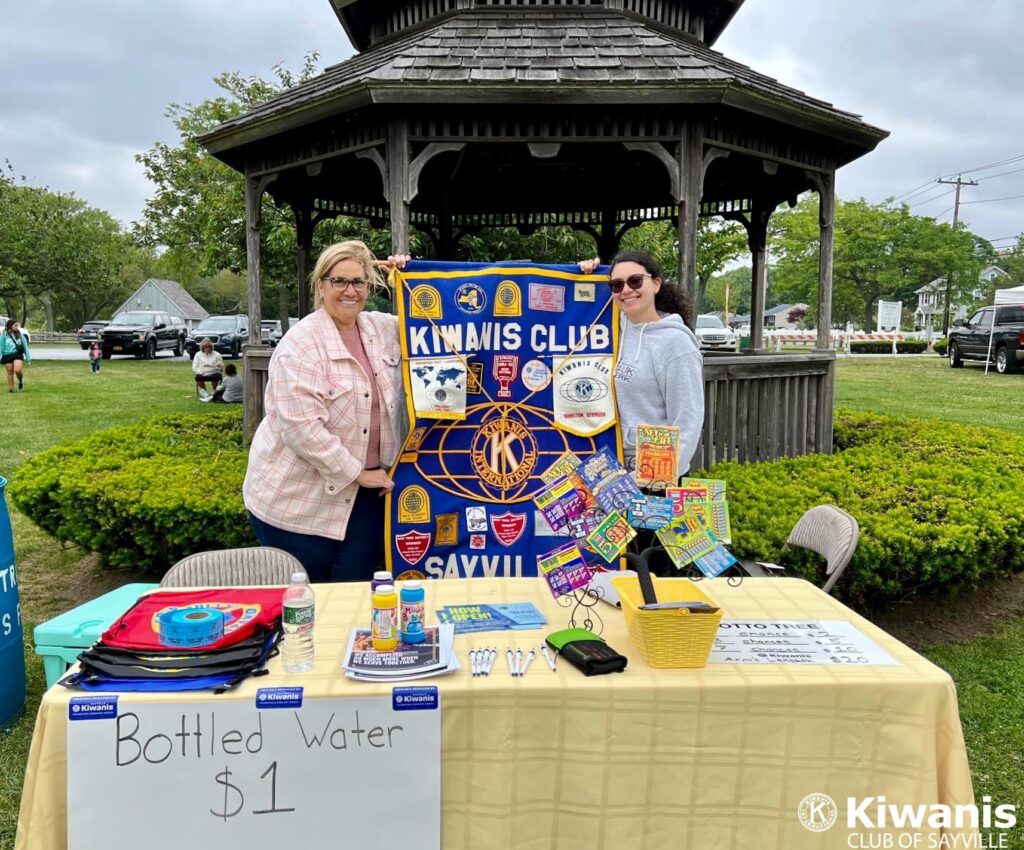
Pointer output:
245, 610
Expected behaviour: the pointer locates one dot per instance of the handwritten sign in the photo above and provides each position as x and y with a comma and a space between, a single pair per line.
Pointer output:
256, 773
795, 642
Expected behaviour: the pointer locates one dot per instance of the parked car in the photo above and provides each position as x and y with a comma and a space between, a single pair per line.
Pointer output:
90, 333
24, 333
227, 333
140, 332
977, 339
275, 337
269, 327
713, 335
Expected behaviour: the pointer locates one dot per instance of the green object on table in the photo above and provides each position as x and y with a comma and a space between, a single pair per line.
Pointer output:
61, 640
587, 652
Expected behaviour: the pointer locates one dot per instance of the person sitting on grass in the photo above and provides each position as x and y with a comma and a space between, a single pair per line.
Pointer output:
207, 365
230, 389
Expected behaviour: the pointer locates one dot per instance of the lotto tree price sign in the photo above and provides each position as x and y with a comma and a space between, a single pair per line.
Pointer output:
507, 368
277, 771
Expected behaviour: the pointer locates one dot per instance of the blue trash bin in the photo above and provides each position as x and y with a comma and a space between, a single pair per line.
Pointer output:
12, 648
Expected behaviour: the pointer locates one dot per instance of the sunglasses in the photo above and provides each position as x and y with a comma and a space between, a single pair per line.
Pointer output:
359, 284
635, 281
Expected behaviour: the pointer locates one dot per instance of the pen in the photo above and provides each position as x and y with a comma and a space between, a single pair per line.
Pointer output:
519, 662
529, 658
547, 656
511, 659
492, 653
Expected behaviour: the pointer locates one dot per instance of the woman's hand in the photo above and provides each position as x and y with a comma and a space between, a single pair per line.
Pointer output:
589, 266
375, 478
395, 261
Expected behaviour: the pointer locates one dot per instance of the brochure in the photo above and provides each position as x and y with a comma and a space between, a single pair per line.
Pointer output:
499, 617
407, 660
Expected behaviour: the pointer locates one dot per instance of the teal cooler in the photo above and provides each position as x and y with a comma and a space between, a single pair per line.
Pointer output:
12, 647
61, 640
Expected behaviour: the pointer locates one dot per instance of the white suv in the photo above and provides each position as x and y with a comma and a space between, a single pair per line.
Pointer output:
714, 335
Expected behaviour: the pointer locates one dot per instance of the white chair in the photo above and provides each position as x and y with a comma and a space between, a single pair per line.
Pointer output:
253, 565
832, 533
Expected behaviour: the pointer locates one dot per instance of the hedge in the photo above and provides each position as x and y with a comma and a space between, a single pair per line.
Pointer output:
940, 347
143, 495
907, 346
939, 504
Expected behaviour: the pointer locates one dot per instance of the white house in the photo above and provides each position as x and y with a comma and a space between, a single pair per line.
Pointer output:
775, 318
931, 298
167, 296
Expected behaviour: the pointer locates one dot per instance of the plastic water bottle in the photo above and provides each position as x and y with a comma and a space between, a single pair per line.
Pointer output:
298, 617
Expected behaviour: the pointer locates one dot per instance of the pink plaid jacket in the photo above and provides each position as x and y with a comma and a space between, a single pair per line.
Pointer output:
311, 444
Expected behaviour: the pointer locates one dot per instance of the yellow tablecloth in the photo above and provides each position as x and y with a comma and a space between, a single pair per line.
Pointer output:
713, 758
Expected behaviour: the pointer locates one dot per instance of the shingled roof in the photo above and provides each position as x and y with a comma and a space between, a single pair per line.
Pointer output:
189, 307
512, 54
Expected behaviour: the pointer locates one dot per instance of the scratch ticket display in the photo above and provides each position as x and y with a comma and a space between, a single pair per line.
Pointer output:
564, 569
611, 537
688, 541
714, 486
683, 496
650, 512
507, 374
559, 502
657, 455
715, 515
609, 481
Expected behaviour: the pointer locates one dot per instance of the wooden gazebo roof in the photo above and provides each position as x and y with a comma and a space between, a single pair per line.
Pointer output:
518, 55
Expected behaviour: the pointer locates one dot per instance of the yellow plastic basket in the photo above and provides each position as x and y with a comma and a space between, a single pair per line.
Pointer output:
672, 638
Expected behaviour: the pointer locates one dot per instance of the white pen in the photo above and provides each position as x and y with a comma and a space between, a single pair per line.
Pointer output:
526, 666
492, 654
547, 656
519, 662
473, 658
510, 657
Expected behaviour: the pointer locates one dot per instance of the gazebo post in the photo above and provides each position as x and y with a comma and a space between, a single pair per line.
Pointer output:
304, 247
826, 221
757, 239
691, 174
256, 355
398, 184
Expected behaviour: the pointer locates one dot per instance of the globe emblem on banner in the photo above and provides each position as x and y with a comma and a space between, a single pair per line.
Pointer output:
496, 454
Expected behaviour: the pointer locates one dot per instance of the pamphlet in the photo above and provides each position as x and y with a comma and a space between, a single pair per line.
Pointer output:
497, 617
407, 660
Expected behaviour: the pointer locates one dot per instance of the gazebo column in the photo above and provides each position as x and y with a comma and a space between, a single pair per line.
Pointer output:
398, 184
757, 239
690, 191
826, 223
304, 248
254, 368
608, 236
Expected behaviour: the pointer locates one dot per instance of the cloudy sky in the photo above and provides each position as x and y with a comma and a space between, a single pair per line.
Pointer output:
85, 85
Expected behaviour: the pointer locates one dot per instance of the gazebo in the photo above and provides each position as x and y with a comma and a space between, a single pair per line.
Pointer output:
458, 115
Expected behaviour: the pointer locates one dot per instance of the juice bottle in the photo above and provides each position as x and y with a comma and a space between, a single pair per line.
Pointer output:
385, 618
411, 612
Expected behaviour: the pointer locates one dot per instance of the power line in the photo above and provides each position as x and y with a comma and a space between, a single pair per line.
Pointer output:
913, 191
941, 214
959, 183
1001, 174
993, 200
945, 193
986, 167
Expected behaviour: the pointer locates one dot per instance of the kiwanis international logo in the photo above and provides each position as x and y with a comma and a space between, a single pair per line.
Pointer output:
817, 812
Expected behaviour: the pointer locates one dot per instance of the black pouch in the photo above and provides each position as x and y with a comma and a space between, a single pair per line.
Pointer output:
586, 652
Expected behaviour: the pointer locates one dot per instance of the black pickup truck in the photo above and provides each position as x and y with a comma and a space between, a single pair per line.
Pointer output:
142, 333
976, 339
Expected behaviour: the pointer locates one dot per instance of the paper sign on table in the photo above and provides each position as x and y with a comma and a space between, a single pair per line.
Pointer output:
795, 642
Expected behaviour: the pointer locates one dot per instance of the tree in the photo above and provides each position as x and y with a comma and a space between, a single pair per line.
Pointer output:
881, 252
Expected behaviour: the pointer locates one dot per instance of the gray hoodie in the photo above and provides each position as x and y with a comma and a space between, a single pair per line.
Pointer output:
659, 380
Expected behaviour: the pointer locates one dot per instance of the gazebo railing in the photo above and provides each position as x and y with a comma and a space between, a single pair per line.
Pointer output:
757, 406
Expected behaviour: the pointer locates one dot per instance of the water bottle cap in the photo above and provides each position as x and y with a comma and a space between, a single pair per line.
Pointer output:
384, 590
412, 585
299, 578
381, 574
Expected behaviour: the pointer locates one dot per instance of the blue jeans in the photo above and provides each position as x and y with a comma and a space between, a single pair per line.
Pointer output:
353, 559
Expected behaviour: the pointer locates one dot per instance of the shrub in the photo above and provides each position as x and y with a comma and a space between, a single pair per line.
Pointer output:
907, 346
940, 347
939, 504
143, 495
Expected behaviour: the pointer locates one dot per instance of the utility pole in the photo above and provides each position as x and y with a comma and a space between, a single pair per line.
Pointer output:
959, 182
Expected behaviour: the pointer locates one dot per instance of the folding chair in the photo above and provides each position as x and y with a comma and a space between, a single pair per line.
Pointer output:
252, 565
832, 533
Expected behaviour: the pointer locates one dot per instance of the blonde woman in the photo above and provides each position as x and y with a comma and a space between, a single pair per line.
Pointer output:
207, 365
333, 423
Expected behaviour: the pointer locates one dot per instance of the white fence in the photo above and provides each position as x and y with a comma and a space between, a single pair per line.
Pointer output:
839, 340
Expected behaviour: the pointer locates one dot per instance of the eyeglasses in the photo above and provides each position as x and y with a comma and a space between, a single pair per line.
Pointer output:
635, 281
359, 284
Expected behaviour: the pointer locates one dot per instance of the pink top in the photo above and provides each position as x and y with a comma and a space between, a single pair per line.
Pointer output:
354, 344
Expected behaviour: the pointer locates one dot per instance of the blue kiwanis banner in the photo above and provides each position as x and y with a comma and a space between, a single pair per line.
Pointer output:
507, 367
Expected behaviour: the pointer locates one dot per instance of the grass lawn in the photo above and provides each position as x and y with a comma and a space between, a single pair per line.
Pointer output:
64, 401
925, 387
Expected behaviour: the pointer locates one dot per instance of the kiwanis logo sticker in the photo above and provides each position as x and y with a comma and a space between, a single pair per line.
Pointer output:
817, 812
